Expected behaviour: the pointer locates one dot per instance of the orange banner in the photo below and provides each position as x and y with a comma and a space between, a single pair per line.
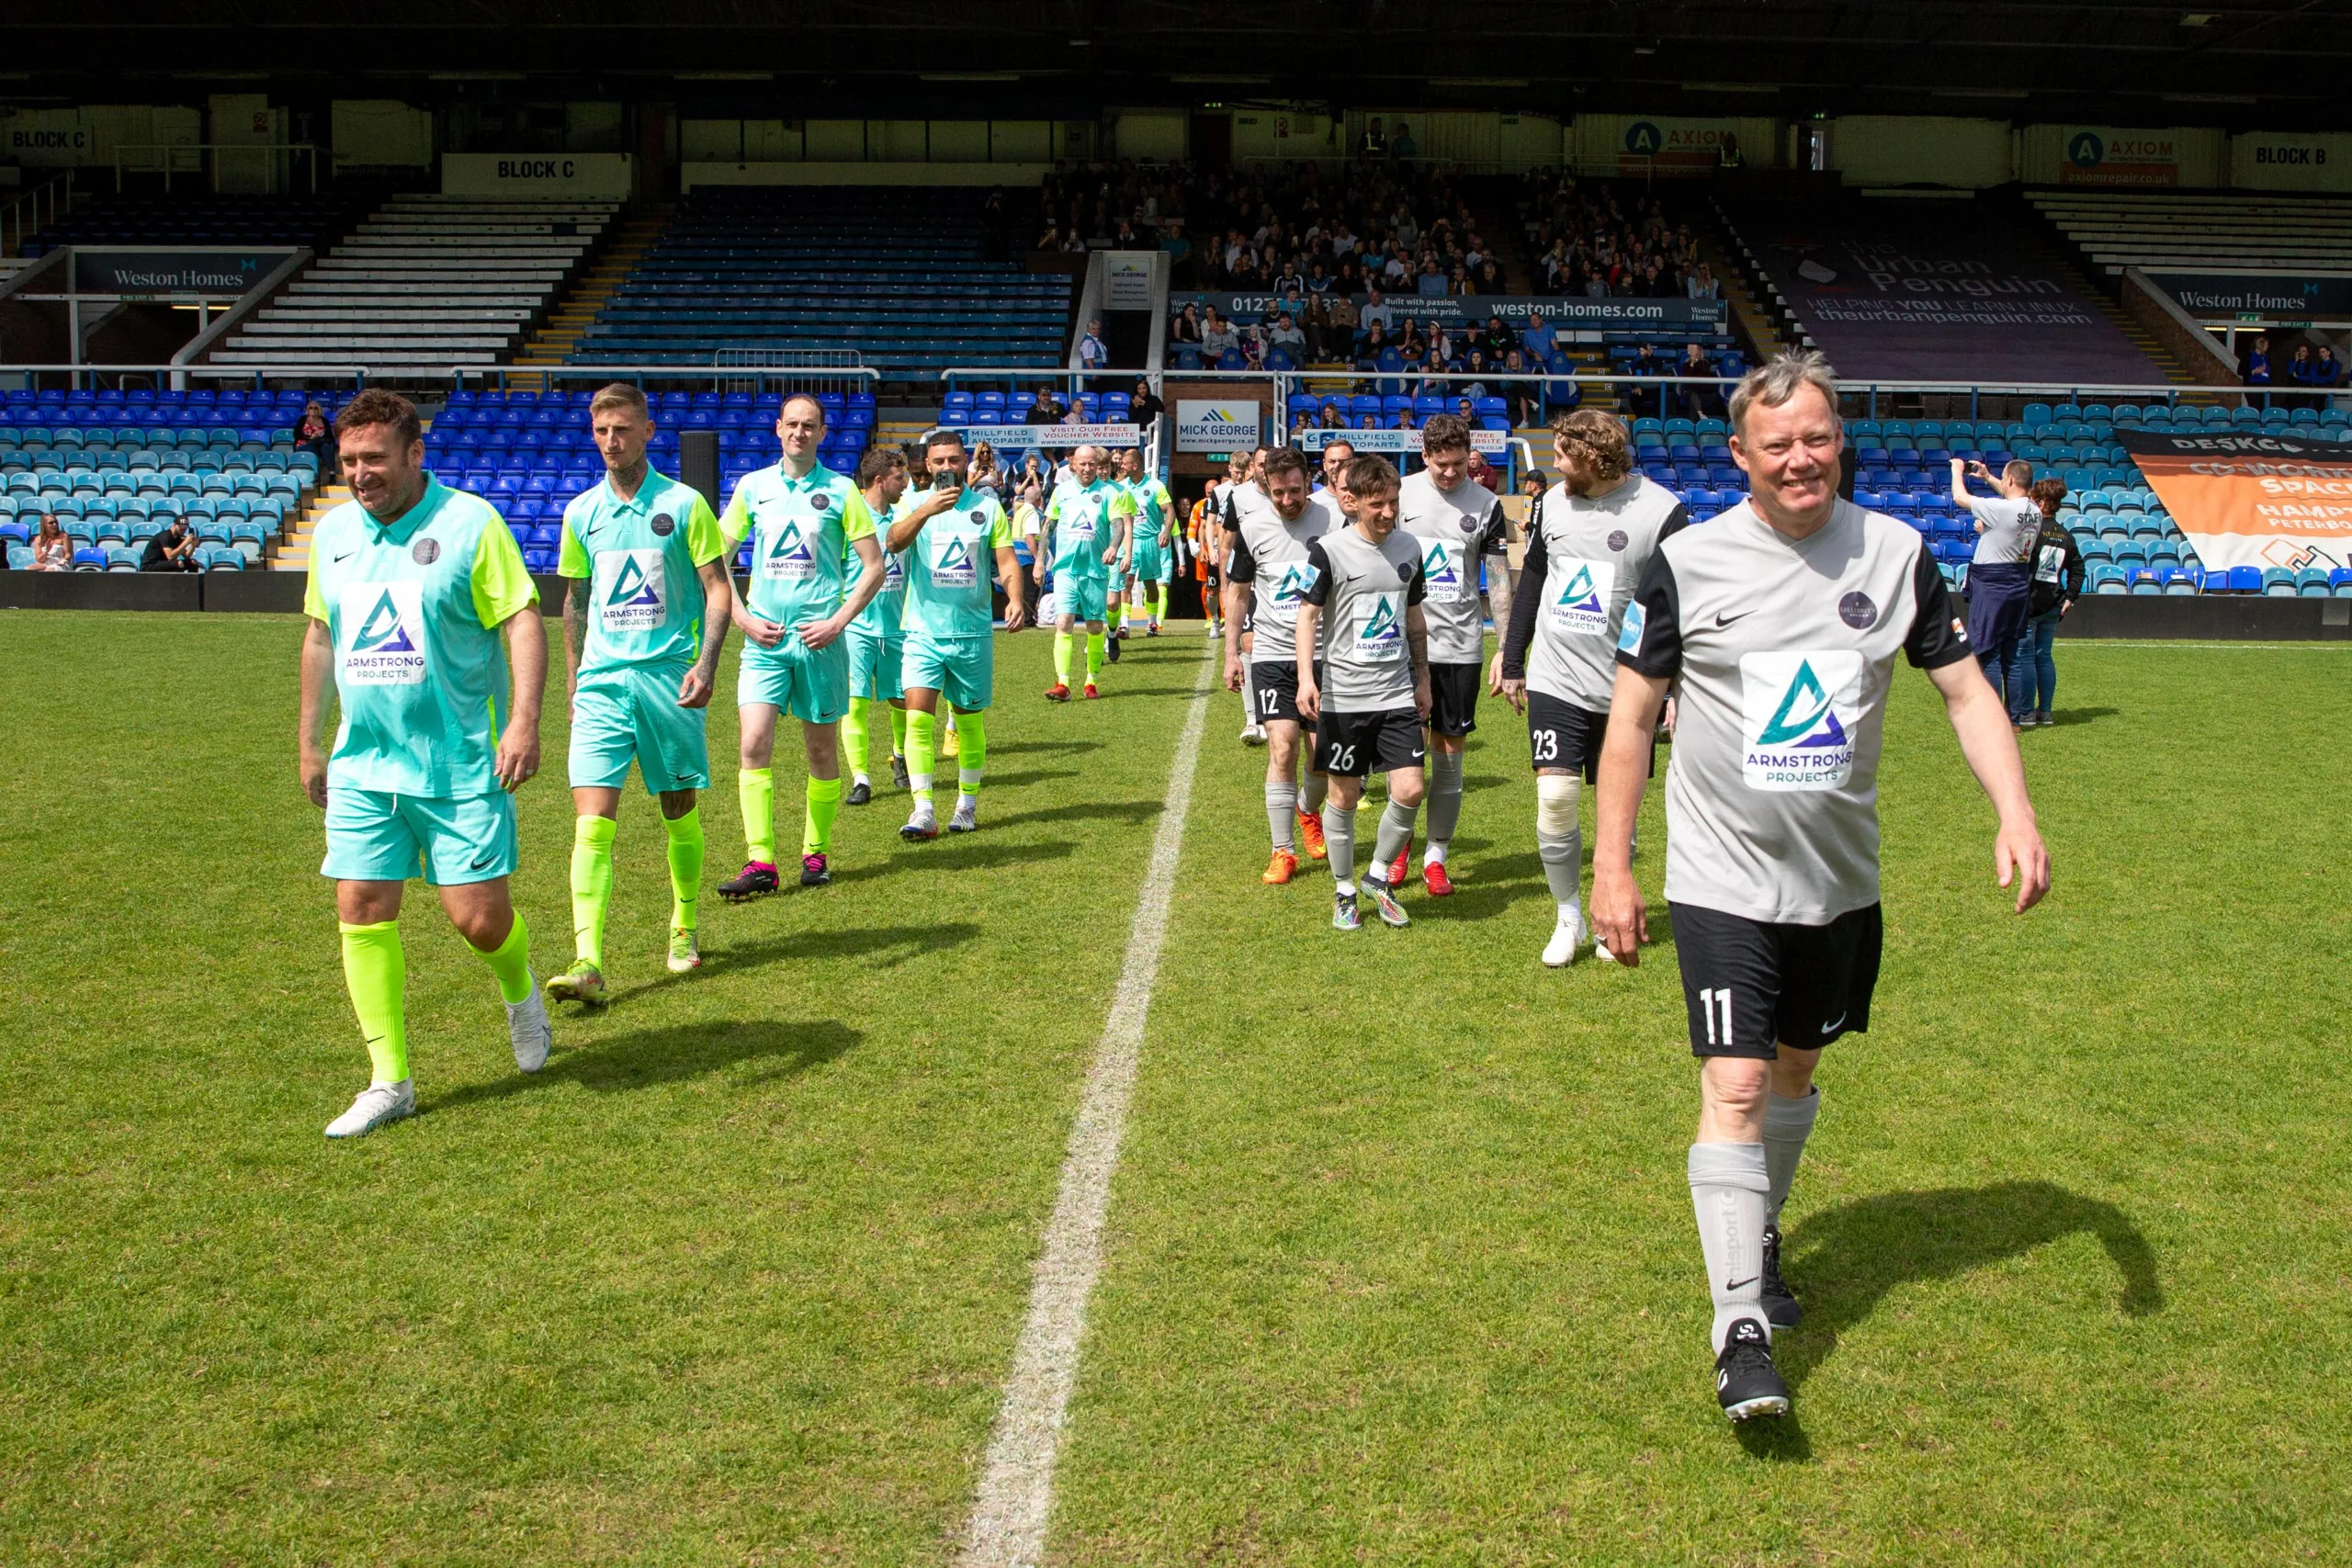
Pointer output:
2244, 498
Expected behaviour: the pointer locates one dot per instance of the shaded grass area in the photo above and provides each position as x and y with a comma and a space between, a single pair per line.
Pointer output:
1402, 1267
734, 1279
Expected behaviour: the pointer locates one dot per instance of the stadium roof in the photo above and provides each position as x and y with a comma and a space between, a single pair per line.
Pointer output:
2229, 61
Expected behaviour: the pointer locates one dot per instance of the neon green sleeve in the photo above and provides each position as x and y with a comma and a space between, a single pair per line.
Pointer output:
571, 560
1054, 507
1122, 504
314, 604
502, 585
999, 529
703, 540
857, 517
737, 520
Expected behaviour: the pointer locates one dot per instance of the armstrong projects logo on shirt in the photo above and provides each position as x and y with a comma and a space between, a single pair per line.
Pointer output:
1582, 604
386, 638
953, 567
1798, 713
1380, 634
635, 602
1443, 577
789, 559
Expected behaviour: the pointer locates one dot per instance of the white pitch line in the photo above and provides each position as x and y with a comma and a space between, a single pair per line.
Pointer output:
1016, 1491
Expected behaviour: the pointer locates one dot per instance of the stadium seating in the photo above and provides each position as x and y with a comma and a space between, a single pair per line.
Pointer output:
115, 468
428, 281
2129, 543
530, 452
312, 221
893, 274
2243, 232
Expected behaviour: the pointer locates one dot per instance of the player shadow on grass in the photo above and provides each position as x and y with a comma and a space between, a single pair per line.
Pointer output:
1842, 1261
2065, 717
648, 1058
1036, 775
884, 947
1127, 811
959, 855
1014, 748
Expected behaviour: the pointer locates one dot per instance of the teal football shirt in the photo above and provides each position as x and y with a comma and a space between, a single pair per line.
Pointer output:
802, 530
413, 608
1085, 525
887, 611
949, 566
642, 558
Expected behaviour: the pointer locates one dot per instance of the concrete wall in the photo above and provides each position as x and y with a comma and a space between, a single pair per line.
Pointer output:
1892, 150
380, 133
936, 141
2266, 159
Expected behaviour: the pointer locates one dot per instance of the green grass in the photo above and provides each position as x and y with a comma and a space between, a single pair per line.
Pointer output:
1400, 1268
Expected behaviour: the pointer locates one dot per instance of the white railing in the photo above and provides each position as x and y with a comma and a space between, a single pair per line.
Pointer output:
24, 213
170, 158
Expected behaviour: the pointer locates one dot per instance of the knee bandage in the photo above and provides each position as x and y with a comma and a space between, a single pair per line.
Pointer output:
1555, 804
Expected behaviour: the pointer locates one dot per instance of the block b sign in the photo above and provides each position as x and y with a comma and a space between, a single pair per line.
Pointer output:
1216, 424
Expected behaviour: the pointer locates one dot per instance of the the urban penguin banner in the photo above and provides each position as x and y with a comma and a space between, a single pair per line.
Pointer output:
2248, 498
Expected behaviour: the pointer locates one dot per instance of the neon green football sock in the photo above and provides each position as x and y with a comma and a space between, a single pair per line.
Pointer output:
897, 732
921, 726
511, 961
1114, 612
855, 740
685, 867
1160, 602
1093, 656
755, 788
376, 971
1065, 644
972, 762
592, 885
817, 828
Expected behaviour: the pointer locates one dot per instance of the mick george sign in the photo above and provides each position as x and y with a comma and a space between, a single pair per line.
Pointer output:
1216, 424
2248, 498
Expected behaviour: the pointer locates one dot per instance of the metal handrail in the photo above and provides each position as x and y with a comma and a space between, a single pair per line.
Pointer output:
57, 191
165, 166
710, 373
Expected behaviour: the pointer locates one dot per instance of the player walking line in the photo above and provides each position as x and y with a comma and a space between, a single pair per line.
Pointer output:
1016, 1491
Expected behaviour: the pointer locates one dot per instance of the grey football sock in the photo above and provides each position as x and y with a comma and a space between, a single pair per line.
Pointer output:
1313, 790
1445, 797
1396, 832
1787, 1124
1728, 1185
1339, 843
1563, 863
1282, 812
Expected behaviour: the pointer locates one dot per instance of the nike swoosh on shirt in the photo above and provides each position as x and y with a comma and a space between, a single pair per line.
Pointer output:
1723, 620
344, 556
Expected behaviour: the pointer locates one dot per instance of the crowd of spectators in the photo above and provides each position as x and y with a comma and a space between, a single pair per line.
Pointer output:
1590, 239
1303, 227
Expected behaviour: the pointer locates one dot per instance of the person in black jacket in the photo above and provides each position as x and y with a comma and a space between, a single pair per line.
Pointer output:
2057, 581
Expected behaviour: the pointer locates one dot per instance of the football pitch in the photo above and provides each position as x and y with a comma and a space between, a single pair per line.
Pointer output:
1399, 1265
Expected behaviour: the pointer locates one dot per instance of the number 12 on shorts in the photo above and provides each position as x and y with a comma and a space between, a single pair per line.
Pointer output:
1714, 1000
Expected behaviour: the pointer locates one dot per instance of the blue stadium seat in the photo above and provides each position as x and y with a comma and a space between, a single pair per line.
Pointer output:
2277, 583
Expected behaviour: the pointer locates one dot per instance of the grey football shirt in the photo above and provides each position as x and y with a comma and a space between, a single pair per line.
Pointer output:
1584, 555
1456, 529
1363, 590
1269, 555
2009, 530
1781, 653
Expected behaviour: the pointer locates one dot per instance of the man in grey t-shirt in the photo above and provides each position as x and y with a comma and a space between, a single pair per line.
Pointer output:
1778, 624
1267, 565
1360, 605
1459, 526
1999, 585
1589, 538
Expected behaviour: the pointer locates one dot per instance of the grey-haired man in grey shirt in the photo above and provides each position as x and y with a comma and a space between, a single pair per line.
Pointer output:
1778, 624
